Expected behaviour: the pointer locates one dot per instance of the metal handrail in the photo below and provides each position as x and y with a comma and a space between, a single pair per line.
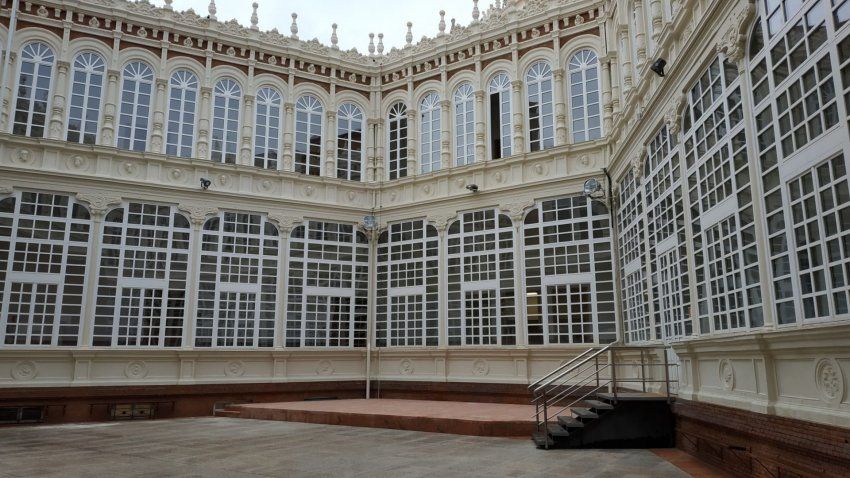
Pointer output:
570, 370
567, 364
571, 386
565, 393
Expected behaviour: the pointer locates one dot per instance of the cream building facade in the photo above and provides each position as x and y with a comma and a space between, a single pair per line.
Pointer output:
441, 234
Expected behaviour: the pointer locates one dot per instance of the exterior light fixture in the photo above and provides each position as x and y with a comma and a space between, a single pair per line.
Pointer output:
369, 222
205, 183
592, 188
473, 188
658, 67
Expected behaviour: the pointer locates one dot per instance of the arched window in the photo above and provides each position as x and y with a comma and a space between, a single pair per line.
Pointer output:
464, 124
144, 261
135, 106
499, 90
182, 108
569, 279
227, 106
44, 246
267, 129
328, 286
33, 91
349, 140
397, 141
408, 303
584, 96
237, 293
541, 126
308, 135
429, 136
480, 276
86, 92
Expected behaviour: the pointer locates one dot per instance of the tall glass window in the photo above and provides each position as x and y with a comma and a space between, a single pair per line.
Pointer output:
541, 114
136, 90
182, 108
328, 286
237, 291
569, 279
44, 245
397, 141
86, 92
632, 247
429, 135
584, 96
267, 128
480, 272
408, 290
33, 90
500, 116
142, 288
308, 135
349, 142
464, 103
227, 106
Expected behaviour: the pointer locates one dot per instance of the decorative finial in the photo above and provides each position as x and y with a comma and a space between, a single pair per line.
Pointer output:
442, 23
371, 44
168, 5
453, 26
409, 37
294, 27
212, 10
334, 38
380, 43
498, 4
254, 18
475, 12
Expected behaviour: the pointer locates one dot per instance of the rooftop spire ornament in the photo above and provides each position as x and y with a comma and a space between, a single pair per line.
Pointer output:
168, 5
294, 27
212, 10
409, 37
371, 44
334, 38
254, 18
380, 43
442, 23
476, 14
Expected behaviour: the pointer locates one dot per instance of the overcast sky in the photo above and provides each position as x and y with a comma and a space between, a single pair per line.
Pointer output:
355, 18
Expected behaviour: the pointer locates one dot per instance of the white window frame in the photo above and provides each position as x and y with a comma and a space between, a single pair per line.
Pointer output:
181, 84
269, 117
398, 123
583, 73
139, 127
348, 117
500, 84
312, 108
464, 112
91, 101
430, 133
539, 82
229, 91
41, 59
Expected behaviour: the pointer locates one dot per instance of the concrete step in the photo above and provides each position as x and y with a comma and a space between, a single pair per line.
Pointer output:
542, 440
570, 422
584, 413
597, 405
557, 431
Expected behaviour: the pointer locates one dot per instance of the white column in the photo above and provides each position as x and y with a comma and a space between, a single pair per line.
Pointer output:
518, 106
110, 108
607, 106
560, 107
87, 319
157, 132
329, 169
412, 142
8, 93
246, 154
57, 113
640, 33
202, 149
657, 19
480, 132
521, 320
445, 134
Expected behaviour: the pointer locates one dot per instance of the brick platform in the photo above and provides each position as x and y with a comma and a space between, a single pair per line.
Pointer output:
461, 418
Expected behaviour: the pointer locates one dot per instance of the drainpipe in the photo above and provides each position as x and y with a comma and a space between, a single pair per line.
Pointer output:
7, 61
373, 252
615, 260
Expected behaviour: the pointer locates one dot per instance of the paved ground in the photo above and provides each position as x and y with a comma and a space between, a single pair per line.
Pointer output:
225, 447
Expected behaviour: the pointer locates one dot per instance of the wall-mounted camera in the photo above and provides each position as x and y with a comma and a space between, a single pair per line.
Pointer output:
205, 183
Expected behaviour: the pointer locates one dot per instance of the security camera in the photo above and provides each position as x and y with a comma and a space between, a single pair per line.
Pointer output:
658, 67
205, 183
472, 188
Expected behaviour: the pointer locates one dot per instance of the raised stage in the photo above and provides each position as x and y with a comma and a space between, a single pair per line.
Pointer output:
461, 418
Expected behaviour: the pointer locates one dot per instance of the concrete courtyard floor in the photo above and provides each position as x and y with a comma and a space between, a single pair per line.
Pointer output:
226, 447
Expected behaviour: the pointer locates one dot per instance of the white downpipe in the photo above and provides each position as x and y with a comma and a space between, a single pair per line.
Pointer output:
7, 61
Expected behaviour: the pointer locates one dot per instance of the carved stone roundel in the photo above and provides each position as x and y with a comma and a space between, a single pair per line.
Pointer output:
727, 374
480, 367
24, 371
325, 367
405, 367
234, 368
136, 369
830, 380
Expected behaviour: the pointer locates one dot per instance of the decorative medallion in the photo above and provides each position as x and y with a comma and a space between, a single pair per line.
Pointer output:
188, 42
231, 51
142, 32
461, 182
234, 368
325, 367
24, 371
727, 374
77, 162
94, 22
272, 60
129, 168
405, 367
266, 185
480, 367
177, 174
830, 380
223, 179
42, 11
136, 370
352, 196
24, 156
309, 191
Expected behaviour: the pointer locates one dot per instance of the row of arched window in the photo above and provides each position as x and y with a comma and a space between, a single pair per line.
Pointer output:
182, 115
157, 282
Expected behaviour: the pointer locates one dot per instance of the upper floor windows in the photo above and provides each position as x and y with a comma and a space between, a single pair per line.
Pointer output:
136, 91
33, 92
541, 117
182, 107
227, 102
267, 129
464, 124
86, 92
499, 90
584, 96
349, 138
308, 135
398, 141
429, 137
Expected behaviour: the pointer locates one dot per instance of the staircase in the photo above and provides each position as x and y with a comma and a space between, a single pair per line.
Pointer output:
606, 398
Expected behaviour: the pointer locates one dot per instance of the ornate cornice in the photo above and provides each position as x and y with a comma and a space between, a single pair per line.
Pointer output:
198, 213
